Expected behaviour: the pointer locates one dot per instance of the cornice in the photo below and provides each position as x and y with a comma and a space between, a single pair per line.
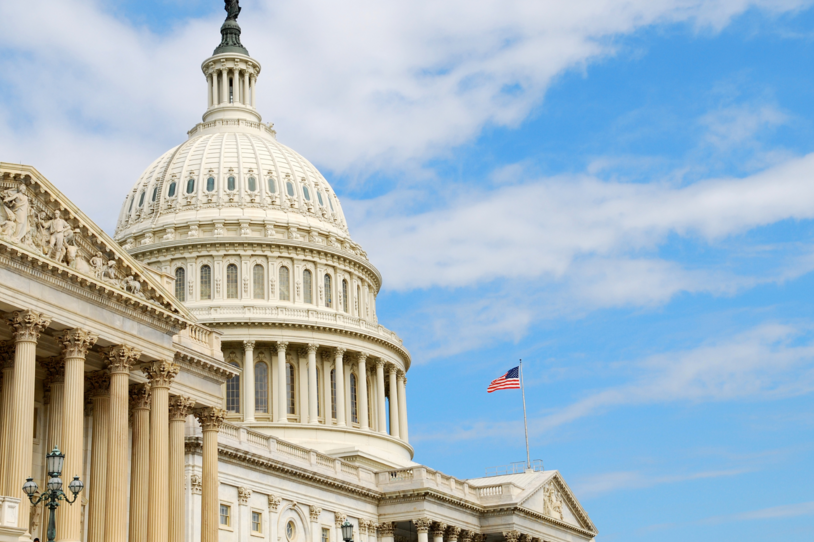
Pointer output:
195, 363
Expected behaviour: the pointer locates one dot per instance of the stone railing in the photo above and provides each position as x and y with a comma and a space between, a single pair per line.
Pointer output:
400, 480
201, 339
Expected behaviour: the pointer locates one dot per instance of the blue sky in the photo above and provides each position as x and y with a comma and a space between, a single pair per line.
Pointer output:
620, 193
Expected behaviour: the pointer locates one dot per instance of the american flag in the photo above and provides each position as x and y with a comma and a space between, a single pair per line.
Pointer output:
509, 381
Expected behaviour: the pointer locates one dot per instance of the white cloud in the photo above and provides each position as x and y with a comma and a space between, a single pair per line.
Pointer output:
354, 85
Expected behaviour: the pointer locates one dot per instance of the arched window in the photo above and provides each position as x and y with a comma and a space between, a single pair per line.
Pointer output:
180, 283
231, 281
285, 288
230, 183
331, 203
333, 393
354, 413
210, 184
319, 197
206, 282
261, 387
132, 201
233, 392
252, 184
344, 295
289, 186
328, 299
155, 193
306, 193
259, 282
306, 287
290, 392
190, 186
171, 191
141, 199
272, 186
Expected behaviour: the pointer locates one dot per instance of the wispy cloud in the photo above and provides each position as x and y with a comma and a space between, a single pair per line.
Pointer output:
774, 512
610, 482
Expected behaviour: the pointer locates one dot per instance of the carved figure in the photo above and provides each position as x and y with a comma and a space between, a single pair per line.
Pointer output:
232, 8
42, 236
110, 272
98, 263
71, 249
552, 504
57, 228
131, 285
16, 204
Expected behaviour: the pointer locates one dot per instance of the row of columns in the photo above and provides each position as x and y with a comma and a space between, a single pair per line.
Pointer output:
244, 85
397, 386
441, 532
156, 459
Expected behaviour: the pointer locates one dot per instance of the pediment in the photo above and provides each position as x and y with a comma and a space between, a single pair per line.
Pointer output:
552, 498
41, 225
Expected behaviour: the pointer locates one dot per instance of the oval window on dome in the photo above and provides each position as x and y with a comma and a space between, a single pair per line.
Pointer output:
319, 197
272, 185
155, 193
306, 193
171, 191
230, 184
141, 199
190, 186
252, 184
210, 184
290, 188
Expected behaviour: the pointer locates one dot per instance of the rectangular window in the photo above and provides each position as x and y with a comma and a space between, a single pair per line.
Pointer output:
326, 535
257, 522
259, 282
206, 282
231, 281
285, 291
225, 515
333, 394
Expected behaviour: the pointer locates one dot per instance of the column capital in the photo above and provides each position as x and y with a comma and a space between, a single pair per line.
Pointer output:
180, 407
274, 503
361, 357
380, 363
387, 528
161, 373
422, 525
140, 396
339, 518
525, 538
392, 368
210, 418
312, 348
327, 356
315, 512
28, 325
76, 342
248, 345
281, 347
243, 495
401, 376
54, 369
120, 358
466, 535
438, 529
303, 352
196, 484
99, 382
511, 536
339, 352
453, 532
478, 537
7, 350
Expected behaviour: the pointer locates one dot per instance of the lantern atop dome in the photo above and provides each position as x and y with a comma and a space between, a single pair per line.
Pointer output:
230, 31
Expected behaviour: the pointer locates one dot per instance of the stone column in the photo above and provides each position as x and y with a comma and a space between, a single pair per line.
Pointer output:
340, 387
363, 524
422, 527
140, 398
100, 396
438, 531
244, 527
327, 414
161, 374
248, 382
254, 90
402, 383
394, 402
313, 415
210, 418
224, 84
75, 344
274, 504
361, 390
386, 529
55, 381
246, 87
302, 392
180, 407
316, 532
382, 422
339, 519
282, 402
236, 84
6, 375
452, 533
119, 361
209, 90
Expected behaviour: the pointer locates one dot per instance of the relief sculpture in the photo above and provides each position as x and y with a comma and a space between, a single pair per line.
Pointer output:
552, 505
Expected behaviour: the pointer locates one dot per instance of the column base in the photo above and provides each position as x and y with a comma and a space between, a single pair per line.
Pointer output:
13, 534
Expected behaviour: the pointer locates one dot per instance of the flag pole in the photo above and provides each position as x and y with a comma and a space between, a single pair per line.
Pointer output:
525, 419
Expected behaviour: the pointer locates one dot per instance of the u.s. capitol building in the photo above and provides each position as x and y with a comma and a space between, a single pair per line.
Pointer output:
216, 371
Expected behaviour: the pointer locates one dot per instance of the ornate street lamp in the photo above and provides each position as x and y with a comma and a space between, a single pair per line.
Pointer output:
347, 531
54, 493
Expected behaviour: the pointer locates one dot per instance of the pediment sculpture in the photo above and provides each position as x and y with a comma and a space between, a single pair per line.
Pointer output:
552, 502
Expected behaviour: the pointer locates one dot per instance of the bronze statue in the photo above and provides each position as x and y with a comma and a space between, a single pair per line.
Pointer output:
232, 9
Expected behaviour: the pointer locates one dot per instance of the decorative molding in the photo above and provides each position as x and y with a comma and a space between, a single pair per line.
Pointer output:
315, 512
339, 518
210, 418
274, 503
120, 358
243, 495
140, 395
98, 383
196, 484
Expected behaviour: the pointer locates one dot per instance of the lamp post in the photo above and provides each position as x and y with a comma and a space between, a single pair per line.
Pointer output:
347, 531
54, 493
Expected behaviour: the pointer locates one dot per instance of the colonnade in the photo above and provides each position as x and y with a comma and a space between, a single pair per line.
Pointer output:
343, 363
243, 85
155, 463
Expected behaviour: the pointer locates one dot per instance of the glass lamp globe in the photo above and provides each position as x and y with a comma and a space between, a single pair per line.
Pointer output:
347, 531
76, 485
54, 462
54, 483
30, 487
